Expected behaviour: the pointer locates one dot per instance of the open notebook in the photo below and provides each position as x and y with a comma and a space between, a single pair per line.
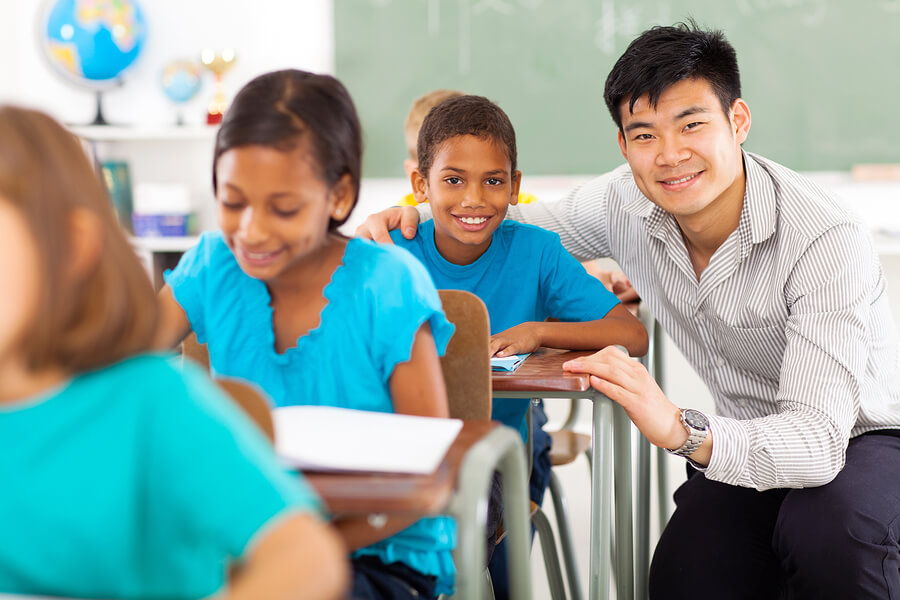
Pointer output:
324, 438
508, 363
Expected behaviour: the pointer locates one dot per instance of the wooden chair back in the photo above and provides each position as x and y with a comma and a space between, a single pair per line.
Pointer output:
253, 403
467, 362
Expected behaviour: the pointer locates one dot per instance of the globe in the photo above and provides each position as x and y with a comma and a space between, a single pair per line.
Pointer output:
92, 42
180, 81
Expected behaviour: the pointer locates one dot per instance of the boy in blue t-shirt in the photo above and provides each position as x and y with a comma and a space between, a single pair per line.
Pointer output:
467, 171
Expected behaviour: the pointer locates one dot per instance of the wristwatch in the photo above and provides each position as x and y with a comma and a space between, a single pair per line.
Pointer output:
697, 426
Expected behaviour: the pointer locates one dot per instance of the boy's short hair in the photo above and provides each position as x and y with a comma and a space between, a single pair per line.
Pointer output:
417, 113
465, 115
663, 56
109, 311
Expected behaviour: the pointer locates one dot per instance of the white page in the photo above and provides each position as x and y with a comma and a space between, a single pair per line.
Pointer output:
325, 438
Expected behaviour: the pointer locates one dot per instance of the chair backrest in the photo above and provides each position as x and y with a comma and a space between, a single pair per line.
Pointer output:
252, 401
467, 362
197, 352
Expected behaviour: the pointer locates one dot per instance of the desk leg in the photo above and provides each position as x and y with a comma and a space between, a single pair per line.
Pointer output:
501, 450
601, 497
624, 520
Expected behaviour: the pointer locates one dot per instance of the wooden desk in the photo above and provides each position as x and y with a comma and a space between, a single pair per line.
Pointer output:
459, 487
541, 376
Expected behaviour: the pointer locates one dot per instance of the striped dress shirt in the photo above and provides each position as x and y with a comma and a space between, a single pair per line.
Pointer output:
789, 325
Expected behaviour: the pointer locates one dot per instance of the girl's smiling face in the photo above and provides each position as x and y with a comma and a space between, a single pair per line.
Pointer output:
274, 209
470, 186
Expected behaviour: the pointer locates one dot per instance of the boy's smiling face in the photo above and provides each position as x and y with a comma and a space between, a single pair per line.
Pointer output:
470, 185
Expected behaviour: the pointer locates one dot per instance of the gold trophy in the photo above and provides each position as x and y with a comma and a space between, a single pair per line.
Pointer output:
218, 63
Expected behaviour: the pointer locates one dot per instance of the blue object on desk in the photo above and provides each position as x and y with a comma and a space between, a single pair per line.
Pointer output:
508, 363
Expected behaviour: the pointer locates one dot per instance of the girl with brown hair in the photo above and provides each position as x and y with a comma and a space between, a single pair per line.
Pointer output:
122, 476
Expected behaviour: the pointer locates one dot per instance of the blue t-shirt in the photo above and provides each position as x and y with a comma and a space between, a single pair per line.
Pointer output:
134, 481
524, 275
378, 299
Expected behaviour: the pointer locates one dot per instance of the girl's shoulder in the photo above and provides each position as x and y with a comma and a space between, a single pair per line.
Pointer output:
155, 382
211, 249
151, 372
384, 273
382, 260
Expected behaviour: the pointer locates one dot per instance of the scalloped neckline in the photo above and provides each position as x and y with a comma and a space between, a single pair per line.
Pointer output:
303, 340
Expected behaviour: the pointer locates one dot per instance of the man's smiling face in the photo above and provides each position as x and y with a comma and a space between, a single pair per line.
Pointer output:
685, 153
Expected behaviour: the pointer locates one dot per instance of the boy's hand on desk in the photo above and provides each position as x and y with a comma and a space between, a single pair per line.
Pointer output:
520, 339
377, 225
626, 382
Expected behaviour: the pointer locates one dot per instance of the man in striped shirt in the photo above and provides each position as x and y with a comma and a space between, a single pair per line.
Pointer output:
774, 292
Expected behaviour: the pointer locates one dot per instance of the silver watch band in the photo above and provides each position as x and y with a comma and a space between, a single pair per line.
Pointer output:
697, 426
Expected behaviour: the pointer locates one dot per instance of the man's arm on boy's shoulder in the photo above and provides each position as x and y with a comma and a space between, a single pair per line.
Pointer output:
579, 218
378, 225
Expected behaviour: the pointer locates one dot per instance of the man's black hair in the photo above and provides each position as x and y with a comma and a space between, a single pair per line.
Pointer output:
662, 56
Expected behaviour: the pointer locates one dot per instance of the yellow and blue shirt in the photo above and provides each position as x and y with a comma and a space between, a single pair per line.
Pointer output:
410, 199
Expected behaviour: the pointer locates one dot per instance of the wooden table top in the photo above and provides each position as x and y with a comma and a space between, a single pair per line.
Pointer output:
356, 494
543, 372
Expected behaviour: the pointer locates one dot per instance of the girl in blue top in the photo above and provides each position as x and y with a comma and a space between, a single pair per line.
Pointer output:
283, 300
122, 477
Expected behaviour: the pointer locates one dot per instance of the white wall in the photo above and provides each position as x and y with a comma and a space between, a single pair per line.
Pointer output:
266, 34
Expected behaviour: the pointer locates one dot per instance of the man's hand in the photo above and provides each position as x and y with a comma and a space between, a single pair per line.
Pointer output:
626, 381
377, 225
520, 339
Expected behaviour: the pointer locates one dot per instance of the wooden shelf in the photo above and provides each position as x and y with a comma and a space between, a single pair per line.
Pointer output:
141, 133
164, 243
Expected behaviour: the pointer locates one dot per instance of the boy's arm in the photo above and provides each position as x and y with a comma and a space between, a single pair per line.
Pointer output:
618, 327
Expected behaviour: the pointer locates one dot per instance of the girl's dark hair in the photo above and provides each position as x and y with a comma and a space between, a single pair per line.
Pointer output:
464, 115
282, 108
662, 56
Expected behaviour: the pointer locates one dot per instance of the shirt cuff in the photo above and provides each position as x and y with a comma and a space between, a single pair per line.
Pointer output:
730, 451
424, 212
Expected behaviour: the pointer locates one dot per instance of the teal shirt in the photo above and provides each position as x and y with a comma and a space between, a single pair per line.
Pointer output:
378, 299
134, 481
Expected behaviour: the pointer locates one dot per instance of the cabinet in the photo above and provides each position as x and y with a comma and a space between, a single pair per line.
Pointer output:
161, 154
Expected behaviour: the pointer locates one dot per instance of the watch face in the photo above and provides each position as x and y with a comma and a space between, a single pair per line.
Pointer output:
696, 419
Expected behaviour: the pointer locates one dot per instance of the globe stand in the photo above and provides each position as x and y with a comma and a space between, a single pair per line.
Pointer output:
98, 118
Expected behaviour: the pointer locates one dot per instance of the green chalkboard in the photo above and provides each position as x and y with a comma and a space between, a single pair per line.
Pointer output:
822, 77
